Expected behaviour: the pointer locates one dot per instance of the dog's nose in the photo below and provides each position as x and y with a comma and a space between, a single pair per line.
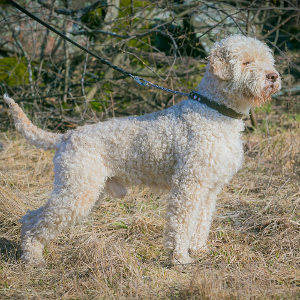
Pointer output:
272, 76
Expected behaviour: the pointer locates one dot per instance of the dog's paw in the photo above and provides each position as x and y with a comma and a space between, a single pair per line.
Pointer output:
198, 250
36, 262
33, 253
181, 259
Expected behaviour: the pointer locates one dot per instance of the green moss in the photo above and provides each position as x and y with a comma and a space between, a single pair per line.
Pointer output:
267, 107
138, 62
96, 106
294, 118
125, 6
12, 71
193, 81
201, 66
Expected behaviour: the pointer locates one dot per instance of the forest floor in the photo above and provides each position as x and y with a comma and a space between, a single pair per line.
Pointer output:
117, 252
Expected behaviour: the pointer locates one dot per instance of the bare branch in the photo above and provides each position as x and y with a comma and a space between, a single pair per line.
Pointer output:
69, 12
82, 84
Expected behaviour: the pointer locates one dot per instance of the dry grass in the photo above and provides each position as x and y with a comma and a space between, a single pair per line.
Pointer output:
117, 253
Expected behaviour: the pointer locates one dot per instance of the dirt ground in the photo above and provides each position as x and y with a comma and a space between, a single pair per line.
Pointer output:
117, 253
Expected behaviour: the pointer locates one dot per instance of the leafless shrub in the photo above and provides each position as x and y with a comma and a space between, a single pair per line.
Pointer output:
164, 41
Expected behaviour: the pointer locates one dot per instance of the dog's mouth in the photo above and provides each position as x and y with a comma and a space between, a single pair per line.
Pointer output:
271, 87
259, 96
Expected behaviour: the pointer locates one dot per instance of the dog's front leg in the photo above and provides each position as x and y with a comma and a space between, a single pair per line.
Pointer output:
203, 220
183, 209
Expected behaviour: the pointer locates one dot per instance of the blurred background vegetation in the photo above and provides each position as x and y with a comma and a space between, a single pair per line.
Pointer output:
166, 42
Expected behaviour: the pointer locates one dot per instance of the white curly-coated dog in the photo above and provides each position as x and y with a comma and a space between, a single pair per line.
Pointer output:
190, 149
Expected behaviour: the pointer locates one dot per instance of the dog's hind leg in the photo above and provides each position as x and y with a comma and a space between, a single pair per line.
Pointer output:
76, 188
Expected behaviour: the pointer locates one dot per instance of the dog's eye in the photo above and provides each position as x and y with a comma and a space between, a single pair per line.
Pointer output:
246, 63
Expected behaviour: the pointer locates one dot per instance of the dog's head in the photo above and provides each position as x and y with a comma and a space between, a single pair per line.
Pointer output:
246, 67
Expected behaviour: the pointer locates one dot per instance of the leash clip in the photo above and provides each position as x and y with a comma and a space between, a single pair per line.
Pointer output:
140, 81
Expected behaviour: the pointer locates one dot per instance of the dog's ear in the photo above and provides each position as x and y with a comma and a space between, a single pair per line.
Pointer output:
218, 60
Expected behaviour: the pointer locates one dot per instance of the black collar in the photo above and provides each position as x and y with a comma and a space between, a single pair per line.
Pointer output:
222, 109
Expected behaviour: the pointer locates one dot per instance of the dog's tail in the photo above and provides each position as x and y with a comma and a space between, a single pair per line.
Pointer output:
34, 135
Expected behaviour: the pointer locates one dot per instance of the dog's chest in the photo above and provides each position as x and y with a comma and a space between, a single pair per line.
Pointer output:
214, 146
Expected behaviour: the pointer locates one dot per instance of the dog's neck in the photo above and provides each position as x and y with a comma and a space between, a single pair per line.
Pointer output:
214, 89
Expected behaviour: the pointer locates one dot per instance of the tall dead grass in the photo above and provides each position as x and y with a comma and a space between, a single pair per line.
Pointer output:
117, 253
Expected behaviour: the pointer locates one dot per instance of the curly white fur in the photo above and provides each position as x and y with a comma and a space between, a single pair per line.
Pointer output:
190, 149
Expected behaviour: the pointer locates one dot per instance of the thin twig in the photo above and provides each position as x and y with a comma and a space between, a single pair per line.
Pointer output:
82, 83
79, 12
287, 59
67, 68
279, 25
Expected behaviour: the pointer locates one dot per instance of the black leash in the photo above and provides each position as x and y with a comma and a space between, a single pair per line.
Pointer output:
192, 95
